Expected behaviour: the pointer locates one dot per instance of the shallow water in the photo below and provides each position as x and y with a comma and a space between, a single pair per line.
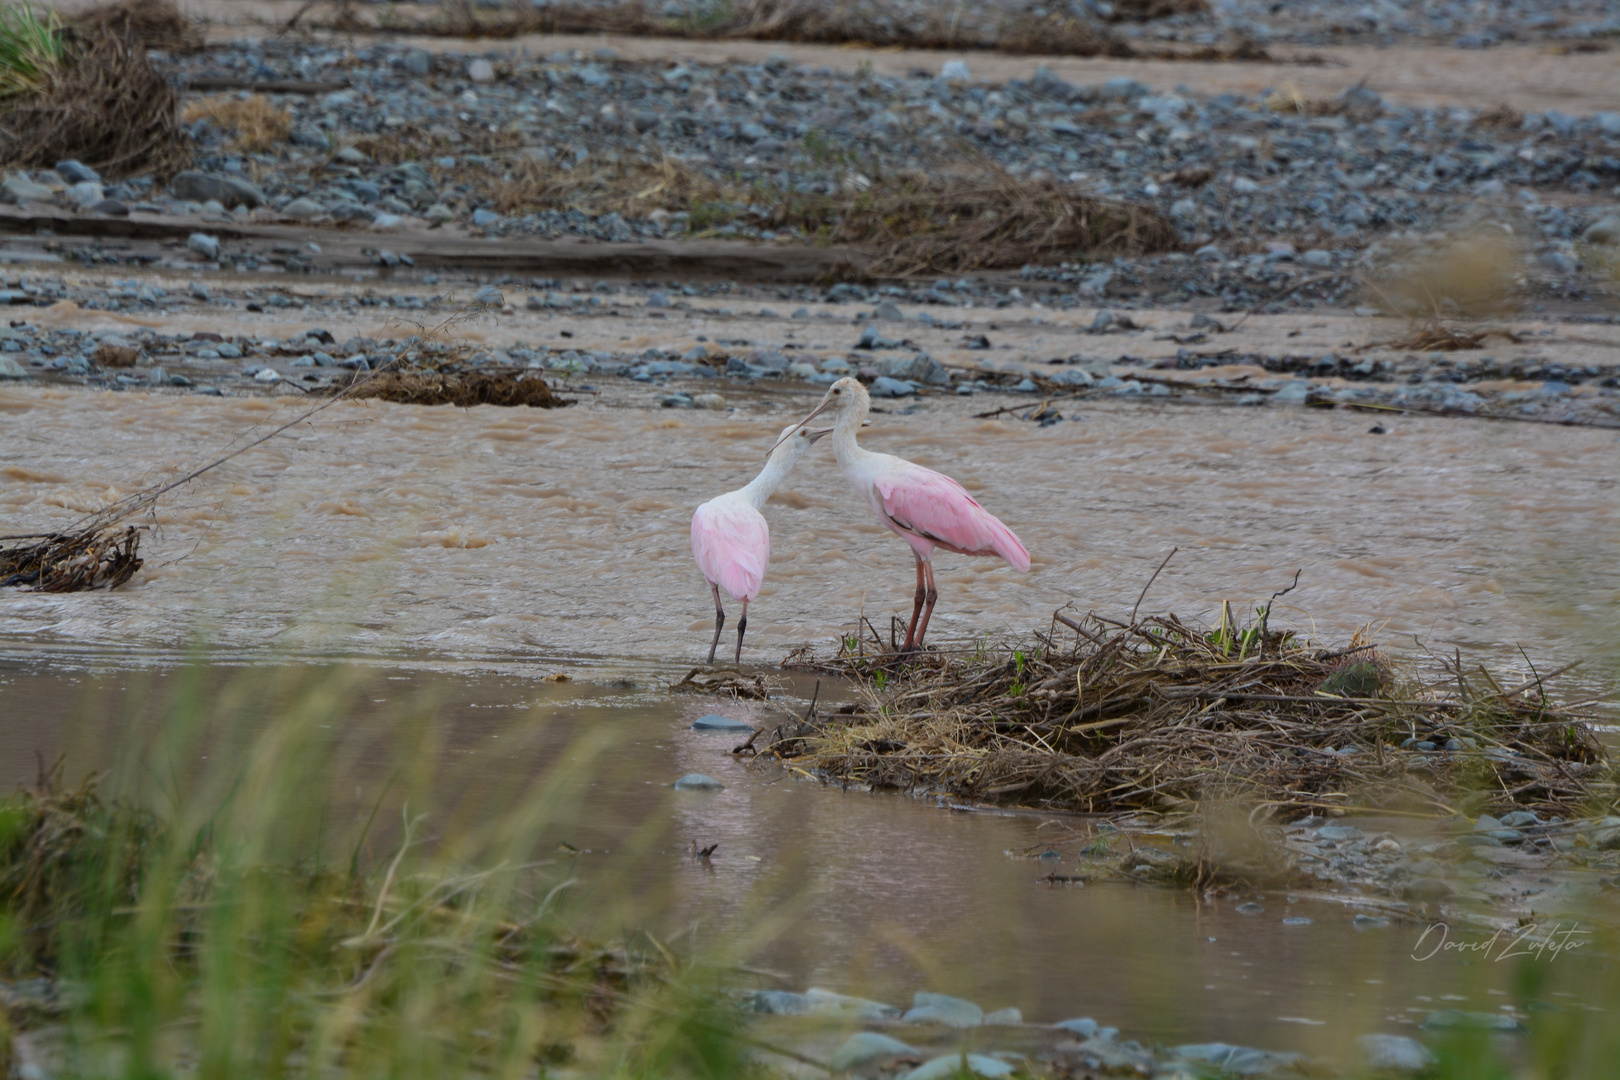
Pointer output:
528, 538
879, 894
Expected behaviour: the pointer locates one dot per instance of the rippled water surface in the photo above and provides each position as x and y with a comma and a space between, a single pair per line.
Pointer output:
519, 534
880, 894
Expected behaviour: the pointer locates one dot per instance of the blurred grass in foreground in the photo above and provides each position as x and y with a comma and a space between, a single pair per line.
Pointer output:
209, 918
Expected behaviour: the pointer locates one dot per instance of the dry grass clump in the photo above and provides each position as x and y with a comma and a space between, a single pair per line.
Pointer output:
104, 104
1436, 336
156, 24
254, 122
466, 389
58, 562
931, 223
1154, 715
974, 217
1473, 274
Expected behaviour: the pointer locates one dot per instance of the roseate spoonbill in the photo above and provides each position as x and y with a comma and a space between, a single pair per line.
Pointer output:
730, 540
926, 509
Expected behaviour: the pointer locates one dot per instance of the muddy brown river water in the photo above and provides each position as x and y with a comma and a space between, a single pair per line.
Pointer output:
538, 537
460, 555
879, 894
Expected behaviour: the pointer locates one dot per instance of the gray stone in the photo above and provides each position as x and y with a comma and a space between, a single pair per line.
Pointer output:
828, 1002
715, 722
86, 194
885, 387
777, 1002
1250, 908
17, 189
204, 245
1453, 1019
229, 191
1298, 920
1237, 1060
1370, 922
484, 218
1083, 1026
1395, 1054
481, 72
111, 208
418, 62
1008, 1016
303, 209
929, 1008
955, 1064
1338, 833
888, 310
10, 369
439, 214
199, 291
865, 1046
954, 71
76, 172
921, 368
157, 377
1605, 231
698, 782
1316, 257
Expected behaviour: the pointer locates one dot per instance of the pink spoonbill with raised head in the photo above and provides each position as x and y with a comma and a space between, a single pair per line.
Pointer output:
730, 539
926, 509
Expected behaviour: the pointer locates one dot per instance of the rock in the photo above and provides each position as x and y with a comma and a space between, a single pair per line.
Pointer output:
885, 387
1004, 1017
481, 72
157, 377
1518, 819
955, 1064
1605, 231
1454, 1019
888, 311
1338, 833
708, 401
352, 155
204, 245
111, 208
439, 214
657, 300
777, 1002
1298, 920
1250, 908
1083, 1026
1317, 258
229, 191
1395, 1054
954, 71
19, 189
921, 368
85, 194
828, 1002
1370, 922
267, 375
1293, 392
482, 218
715, 722
865, 1046
418, 62
698, 782
76, 172
929, 1008
1237, 1060
303, 209
10, 369
199, 291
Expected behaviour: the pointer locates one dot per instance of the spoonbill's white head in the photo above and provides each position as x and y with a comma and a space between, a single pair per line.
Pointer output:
844, 398
794, 442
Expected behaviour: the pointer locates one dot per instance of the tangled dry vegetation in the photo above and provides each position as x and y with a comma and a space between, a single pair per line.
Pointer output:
1156, 716
975, 216
255, 124
463, 388
97, 558
102, 102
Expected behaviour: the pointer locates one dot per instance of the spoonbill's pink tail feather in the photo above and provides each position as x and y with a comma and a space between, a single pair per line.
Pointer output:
1009, 547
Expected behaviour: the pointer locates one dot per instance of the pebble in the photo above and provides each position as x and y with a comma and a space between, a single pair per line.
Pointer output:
941, 1068
76, 172
1249, 909
1298, 920
204, 245
1395, 1054
1370, 922
10, 369
929, 1008
715, 722
1338, 833
1083, 1026
865, 1046
1237, 1060
698, 782
1454, 1019
19, 189
1003, 1017
885, 387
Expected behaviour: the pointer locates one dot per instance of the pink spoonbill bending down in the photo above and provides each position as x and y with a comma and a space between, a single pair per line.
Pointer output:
730, 540
926, 509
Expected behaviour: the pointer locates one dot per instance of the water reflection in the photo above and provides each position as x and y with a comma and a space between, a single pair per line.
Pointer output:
877, 894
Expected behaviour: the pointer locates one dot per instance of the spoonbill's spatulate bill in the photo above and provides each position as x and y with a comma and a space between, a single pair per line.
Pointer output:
730, 540
927, 509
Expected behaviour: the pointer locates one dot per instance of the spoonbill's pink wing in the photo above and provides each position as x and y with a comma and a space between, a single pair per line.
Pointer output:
732, 546
932, 505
